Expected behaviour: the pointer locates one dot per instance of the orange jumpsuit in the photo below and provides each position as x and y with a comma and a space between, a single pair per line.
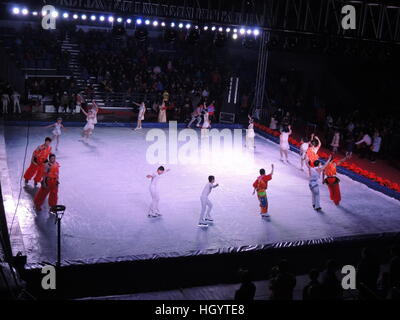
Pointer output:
36, 168
312, 156
261, 185
333, 182
51, 188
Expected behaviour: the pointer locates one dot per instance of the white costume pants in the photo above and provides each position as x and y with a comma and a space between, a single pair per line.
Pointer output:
5, 105
315, 195
155, 200
206, 207
17, 107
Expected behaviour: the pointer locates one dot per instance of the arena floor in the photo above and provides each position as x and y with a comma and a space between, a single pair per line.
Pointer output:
104, 187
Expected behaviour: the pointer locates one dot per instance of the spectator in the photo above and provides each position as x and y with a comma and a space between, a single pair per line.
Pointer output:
313, 290
364, 144
331, 286
247, 289
15, 98
5, 100
283, 283
64, 101
368, 270
376, 146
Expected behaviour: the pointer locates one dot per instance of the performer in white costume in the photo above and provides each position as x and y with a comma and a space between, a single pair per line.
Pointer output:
142, 111
206, 205
250, 134
284, 142
57, 131
155, 195
89, 127
315, 174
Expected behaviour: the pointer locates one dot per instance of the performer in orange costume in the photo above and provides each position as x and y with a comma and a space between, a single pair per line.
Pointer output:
261, 185
312, 152
39, 157
49, 184
332, 180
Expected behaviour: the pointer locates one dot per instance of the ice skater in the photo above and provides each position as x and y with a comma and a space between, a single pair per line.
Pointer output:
57, 131
95, 110
303, 152
312, 152
250, 134
261, 186
49, 185
315, 173
206, 124
39, 157
142, 111
329, 176
196, 116
206, 205
89, 127
284, 142
155, 195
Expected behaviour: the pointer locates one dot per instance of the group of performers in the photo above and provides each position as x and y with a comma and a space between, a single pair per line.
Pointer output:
44, 168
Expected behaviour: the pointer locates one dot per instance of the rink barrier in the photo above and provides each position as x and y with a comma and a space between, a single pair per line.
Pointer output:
145, 125
352, 175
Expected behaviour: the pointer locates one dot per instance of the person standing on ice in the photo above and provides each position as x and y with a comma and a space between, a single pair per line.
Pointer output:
206, 204
155, 195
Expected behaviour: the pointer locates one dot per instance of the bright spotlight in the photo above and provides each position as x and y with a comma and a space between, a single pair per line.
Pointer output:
119, 20
172, 24
102, 18
44, 13
147, 22
228, 29
15, 10
256, 32
155, 23
220, 29
180, 25
65, 15
93, 18
242, 31
138, 21
163, 24
54, 14
110, 19
128, 20
234, 36
248, 31
196, 27
75, 16
205, 28
188, 26
235, 30
25, 11
83, 17
213, 28
35, 13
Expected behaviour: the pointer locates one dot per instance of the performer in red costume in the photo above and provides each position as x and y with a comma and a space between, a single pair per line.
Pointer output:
39, 157
261, 185
329, 176
49, 184
312, 152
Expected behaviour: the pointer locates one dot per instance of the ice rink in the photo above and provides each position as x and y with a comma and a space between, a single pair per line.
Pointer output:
106, 192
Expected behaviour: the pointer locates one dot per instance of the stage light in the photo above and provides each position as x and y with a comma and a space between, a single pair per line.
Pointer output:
155, 23
162, 24
65, 15
93, 18
205, 28
102, 18
15, 10
248, 31
147, 22
35, 13
119, 20
110, 19
256, 32
75, 16
220, 29
242, 31
180, 25
228, 30
128, 21
213, 28
83, 17
234, 36
138, 21
188, 26
235, 30
44, 13
25, 11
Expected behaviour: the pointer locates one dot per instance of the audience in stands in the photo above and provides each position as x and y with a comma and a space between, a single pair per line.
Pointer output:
282, 282
247, 289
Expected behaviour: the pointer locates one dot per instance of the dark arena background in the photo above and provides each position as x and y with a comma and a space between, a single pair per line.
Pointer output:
124, 87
